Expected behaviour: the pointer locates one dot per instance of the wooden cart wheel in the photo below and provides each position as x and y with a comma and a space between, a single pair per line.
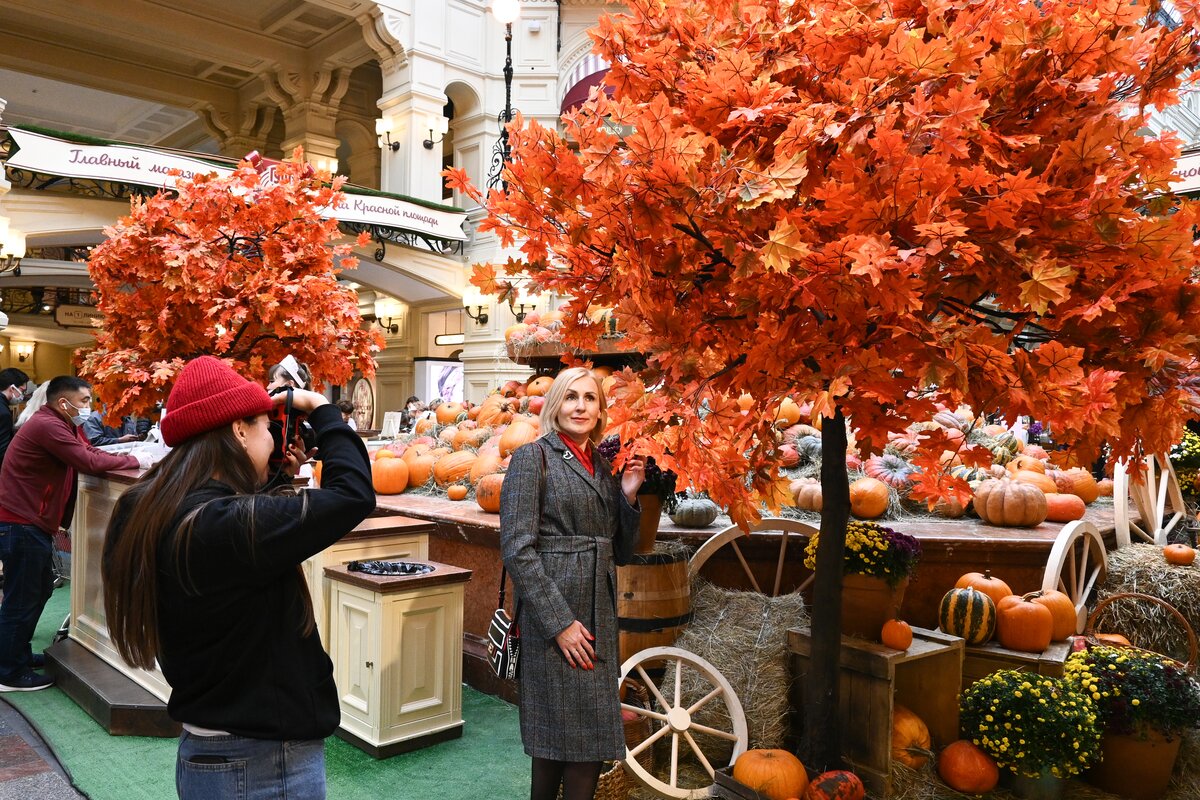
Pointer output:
1156, 497
1077, 563
791, 529
675, 720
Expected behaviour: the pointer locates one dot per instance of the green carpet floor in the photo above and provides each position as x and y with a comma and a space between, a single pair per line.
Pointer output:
486, 762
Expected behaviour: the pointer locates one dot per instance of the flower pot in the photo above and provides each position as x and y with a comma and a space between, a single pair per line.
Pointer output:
648, 526
1043, 787
867, 603
1137, 767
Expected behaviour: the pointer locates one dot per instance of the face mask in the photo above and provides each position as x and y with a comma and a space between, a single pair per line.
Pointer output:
81, 416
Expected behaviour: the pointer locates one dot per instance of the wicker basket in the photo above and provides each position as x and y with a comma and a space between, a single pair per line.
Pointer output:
1090, 635
613, 784
639, 729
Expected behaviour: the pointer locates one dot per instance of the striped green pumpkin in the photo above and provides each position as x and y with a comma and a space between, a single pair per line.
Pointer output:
968, 613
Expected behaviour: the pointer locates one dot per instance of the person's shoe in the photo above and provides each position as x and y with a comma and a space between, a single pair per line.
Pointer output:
37, 661
28, 682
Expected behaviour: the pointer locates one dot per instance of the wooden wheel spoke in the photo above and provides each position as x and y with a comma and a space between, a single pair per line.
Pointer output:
653, 687
783, 543
645, 712
678, 682
699, 753
714, 732
674, 759
694, 707
649, 740
745, 566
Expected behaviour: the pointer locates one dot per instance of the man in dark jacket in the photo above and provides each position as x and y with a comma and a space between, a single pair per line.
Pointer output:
39, 477
99, 434
12, 390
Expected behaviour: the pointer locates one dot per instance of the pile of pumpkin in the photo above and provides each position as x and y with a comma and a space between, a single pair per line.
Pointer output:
1020, 489
981, 606
462, 449
779, 775
536, 328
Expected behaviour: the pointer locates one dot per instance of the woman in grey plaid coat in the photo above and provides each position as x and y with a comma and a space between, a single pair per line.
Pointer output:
565, 522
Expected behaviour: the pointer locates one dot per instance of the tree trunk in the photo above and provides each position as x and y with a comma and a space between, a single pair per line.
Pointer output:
822, 734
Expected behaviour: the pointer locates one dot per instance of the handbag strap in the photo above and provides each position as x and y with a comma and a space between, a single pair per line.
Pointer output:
541, 502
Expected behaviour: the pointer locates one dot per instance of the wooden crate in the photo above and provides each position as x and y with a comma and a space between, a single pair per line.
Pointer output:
725, 787
925, 678
979, 661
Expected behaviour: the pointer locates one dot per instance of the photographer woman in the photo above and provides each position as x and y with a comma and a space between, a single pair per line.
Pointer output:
202, 572
564, 521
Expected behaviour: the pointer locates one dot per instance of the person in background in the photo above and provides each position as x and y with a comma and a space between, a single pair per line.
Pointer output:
39, 480
347, 409
12, 390
412, 409
132, 429
202, 571
565, 521
35, 401
288, 373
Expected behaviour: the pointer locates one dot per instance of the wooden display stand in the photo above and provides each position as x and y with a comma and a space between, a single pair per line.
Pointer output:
979, 661
393, 538
925, 678
396, 643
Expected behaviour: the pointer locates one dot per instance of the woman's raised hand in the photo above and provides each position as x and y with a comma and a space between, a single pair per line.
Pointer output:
632, 477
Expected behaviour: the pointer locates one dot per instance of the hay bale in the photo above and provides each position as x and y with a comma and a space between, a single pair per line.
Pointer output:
1142, 568
743, 635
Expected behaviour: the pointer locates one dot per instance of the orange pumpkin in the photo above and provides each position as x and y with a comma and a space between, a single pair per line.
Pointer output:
448, 412
1062, 609
453, 467
1010, 503
424, 425
1085, 486
485, 464
1024, 625
382, 453
389, 475
838, 784
1113, 639
868, 498
896, 634
984, 582
515, 331
1105, 487
415, 451
518, 433
420, 470
487, 492
966, 768
457, 492
539, 386
775, 774
807, 492
1024, 462
788, 413
1064, 507
1179, 554
910, 736
1038, 479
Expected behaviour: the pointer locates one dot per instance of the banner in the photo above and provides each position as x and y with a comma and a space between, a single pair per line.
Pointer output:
144, 166
1187, 169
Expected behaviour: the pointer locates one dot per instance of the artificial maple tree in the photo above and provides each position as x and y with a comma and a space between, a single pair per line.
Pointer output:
878, 208
239, 267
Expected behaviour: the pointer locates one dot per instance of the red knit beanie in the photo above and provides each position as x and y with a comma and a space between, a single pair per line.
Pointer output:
207, 395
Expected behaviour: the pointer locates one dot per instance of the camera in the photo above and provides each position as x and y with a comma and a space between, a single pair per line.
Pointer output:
285, 418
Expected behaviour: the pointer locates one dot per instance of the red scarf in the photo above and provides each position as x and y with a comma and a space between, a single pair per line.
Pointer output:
584, 458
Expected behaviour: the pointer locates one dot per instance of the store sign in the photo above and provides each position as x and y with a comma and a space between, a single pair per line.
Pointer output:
147, 167
77, 316
1187, 170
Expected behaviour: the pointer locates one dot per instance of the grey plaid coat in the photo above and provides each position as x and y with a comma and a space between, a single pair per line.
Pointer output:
564, 570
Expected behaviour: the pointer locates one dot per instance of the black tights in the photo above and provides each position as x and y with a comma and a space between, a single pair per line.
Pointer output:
578, 779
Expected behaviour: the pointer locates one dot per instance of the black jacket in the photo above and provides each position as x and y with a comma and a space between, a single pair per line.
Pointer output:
6, 427
230, 639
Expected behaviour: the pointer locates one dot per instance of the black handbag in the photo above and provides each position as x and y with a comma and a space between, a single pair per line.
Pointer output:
504, 634
504, 638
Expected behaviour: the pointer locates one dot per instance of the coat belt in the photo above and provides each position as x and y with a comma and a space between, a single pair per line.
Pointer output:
583, 544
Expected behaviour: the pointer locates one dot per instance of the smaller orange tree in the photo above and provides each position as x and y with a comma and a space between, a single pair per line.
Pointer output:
237, 267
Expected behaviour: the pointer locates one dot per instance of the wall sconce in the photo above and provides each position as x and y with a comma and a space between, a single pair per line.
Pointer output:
388, 312
473, 298
522, 303
23, 351
384, 126
437, 124
12, 248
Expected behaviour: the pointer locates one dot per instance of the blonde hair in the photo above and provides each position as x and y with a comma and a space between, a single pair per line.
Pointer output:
36, 401
558, 393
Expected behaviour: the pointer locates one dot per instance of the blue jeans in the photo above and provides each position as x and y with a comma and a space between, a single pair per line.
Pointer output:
240, 768
26, 551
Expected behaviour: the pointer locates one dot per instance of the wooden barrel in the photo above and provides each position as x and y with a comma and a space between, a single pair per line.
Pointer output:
654, 601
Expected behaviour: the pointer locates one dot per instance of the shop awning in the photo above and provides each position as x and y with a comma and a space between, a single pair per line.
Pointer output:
580, 80
40, 153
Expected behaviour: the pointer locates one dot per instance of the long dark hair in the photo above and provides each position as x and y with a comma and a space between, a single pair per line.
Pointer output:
144, 516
